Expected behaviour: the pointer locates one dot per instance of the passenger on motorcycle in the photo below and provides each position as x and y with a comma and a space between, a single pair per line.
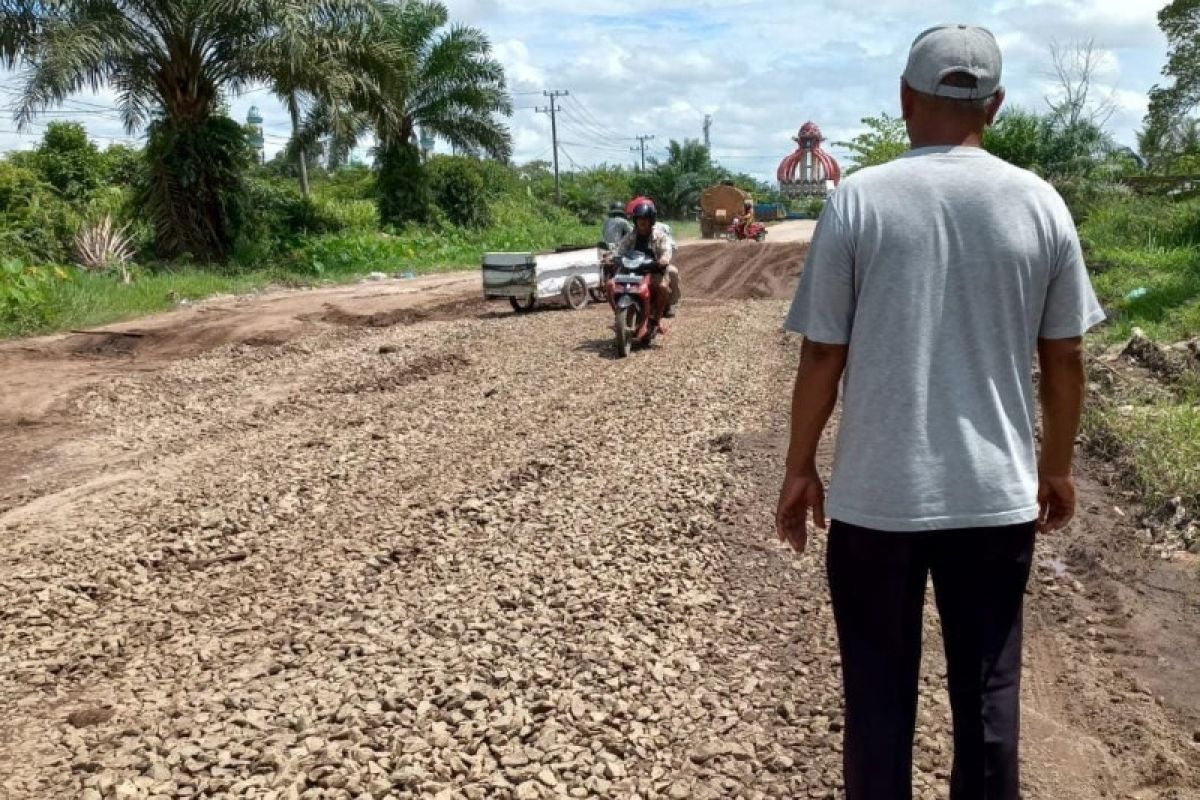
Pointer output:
656, 241
617, 226
652, 239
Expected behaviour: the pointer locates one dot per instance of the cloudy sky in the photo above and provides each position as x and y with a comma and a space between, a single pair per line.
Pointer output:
760, 69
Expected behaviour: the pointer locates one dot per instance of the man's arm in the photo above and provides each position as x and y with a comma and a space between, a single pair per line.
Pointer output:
813, 400
1063, 382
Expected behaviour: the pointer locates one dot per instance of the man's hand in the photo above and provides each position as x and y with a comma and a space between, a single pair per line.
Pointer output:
801, 492
1056, 502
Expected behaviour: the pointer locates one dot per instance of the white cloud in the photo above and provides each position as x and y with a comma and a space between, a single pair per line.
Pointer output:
760, 69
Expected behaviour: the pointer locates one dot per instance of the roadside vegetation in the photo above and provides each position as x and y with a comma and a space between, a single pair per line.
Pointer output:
90, 236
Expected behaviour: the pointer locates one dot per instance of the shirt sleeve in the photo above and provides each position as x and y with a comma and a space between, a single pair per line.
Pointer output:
823, 309
1071, 307
662, 245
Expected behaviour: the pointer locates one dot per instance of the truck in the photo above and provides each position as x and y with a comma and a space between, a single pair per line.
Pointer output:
718, 206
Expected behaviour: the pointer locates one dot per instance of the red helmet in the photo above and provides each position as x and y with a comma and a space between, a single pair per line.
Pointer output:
642, 207
635, 202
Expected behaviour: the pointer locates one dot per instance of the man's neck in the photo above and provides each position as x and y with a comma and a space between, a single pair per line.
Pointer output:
963, 139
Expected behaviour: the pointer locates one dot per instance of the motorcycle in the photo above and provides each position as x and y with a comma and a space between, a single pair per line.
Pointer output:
629, 293
752, 230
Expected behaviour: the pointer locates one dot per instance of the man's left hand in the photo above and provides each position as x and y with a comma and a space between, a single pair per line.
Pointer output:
800, 492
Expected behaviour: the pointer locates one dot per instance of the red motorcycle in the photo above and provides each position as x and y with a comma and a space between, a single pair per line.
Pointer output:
742, 230
629, 294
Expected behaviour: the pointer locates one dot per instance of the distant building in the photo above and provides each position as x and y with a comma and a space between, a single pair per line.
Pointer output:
254, 122
809, 171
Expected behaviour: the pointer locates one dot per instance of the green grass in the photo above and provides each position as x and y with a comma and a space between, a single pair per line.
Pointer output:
1162, 442
96, 299
684, 229
1169, 311
89, 299
1150, 244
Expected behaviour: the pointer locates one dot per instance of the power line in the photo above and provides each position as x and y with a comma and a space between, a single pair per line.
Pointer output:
574, 163
596, 121
591, 132
596, 147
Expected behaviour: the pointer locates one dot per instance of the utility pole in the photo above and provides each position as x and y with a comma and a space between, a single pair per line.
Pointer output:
552, 110
642, 146
707, 128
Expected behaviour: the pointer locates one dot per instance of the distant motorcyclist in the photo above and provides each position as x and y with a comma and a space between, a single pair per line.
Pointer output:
653, 240
617, 226
745, 218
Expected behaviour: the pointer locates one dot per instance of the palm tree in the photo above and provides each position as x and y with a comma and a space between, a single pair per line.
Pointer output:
436, 77
324, 63
172, 63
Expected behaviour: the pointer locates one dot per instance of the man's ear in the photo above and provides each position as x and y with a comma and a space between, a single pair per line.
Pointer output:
994, 106
906, 100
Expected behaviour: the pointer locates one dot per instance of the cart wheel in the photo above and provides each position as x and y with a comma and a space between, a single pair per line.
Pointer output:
575, 293
523, 305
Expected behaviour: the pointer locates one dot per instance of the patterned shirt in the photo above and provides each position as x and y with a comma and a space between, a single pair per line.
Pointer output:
662, 246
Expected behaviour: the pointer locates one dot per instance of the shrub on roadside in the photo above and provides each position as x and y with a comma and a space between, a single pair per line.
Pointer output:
36, 225
459, 190
25, 293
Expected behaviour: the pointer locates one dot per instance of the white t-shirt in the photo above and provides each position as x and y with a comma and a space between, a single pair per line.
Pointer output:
941, 270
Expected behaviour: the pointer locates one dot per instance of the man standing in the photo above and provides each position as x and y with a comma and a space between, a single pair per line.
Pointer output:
931, 282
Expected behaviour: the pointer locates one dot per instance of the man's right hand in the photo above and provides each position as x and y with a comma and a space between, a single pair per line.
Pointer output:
1056, 502
801, 491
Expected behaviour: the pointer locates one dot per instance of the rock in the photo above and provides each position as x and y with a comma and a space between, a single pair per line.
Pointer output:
87, 717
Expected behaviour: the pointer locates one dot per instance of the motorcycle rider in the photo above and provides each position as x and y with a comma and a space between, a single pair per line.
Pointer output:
745, 218
652, 239
663, 231
617, 226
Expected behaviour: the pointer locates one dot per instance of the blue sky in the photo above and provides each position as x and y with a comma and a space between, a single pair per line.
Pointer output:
760, 69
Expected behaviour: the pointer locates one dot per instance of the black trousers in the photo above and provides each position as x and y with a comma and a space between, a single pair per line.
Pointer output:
877, 580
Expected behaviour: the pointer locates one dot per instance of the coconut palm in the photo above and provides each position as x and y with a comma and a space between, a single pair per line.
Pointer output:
438, 78
172, 63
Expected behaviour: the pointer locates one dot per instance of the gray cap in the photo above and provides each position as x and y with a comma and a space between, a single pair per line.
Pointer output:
948, 49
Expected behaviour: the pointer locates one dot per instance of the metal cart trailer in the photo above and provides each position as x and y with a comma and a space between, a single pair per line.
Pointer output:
572, 276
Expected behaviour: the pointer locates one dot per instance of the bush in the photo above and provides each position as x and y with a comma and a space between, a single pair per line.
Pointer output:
36, 225
459, 190
347, 183
25, 293
193, 189
69, 161
1142, 222
122, 165
278, 215
1085, 195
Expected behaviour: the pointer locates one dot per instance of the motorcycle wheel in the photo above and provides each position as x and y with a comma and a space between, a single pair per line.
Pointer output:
626, 324
523, 305
762, 235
